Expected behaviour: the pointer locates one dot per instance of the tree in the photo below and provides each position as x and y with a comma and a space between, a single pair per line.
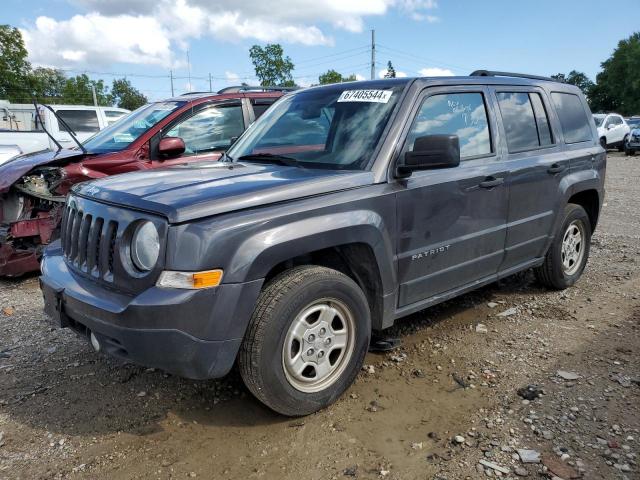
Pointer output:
77, 90
618, 84
125, 95
271, 66
14, 66
578, 79
47, 84
331, 76
391, 72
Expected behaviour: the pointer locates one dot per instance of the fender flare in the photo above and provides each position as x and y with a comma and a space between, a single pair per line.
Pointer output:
258, 254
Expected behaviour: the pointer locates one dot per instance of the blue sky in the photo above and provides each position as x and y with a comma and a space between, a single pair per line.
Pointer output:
146, 38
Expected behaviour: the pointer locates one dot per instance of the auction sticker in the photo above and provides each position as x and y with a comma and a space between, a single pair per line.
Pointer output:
375, 96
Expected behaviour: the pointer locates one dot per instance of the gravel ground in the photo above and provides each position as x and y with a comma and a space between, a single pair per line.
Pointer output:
444, 406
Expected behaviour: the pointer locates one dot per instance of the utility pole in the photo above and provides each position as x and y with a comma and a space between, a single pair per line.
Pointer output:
93, 92
171, 77
189, 70
373, 54
210, 83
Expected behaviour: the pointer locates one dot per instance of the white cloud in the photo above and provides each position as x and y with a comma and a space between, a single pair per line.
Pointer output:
149, 31
95, 39
436, 72
359, 77
232, 77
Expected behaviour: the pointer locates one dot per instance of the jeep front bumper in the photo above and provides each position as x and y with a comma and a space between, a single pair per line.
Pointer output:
191, 333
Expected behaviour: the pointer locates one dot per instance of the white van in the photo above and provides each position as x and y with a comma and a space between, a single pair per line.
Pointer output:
21, 126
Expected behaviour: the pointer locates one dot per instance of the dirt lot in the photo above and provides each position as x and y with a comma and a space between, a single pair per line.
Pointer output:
431, 410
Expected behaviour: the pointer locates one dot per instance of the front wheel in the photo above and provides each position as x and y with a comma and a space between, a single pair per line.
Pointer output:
567, 256
306, 341
621, 147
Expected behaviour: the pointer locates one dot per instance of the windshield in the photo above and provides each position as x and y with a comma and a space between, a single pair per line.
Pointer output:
121, 134
336, 127
598, 119
634, 122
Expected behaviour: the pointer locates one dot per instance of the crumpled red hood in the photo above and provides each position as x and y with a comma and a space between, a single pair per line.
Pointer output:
18, 166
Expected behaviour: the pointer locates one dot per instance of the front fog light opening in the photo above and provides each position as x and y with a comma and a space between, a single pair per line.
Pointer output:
145, 246
190, 280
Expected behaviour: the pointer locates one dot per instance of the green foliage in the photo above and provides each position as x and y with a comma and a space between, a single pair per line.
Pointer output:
391, 72
124, 95
77, 91
618, 84
14, 66
271, 66
47, 84
578, 79
331, 76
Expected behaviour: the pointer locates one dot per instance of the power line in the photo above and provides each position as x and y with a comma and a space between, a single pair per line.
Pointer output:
413, 57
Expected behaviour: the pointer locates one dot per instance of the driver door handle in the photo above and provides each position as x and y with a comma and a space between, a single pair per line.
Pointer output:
555, 168
491, 182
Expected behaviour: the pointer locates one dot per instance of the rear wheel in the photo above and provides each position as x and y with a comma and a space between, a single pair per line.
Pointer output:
306, 341
567, 257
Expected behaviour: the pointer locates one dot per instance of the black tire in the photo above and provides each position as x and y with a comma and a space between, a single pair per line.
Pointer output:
621, 147
261, 358
603, 143
551, 273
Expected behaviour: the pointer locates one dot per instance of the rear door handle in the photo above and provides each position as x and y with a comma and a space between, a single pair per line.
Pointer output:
555, 168
491, 182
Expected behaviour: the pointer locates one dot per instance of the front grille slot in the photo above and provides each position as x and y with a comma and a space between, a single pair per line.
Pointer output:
89, 242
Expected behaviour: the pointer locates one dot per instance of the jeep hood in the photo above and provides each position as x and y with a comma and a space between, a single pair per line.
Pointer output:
196, 190
15, 168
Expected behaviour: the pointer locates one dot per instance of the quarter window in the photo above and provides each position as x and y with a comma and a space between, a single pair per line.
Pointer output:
461, 114
525, 121
573, 118
210, 129
79, 120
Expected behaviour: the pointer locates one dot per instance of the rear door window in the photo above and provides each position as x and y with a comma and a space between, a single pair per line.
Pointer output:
113, 116
461, 114
79, 120
525, 121
573, 117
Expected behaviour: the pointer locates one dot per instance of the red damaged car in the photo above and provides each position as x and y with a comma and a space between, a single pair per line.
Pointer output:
192, 127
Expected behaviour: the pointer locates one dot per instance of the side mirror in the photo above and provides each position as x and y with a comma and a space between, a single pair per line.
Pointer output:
171, 146
430, 152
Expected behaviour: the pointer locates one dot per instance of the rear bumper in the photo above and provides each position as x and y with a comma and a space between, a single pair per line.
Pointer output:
191, 333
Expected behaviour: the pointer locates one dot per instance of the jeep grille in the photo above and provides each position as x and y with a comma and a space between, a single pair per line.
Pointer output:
88, 242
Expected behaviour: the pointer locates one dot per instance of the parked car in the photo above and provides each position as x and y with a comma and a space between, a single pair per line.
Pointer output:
612, 130
83, 120
7, 152
184, 129
632, 145
343, 209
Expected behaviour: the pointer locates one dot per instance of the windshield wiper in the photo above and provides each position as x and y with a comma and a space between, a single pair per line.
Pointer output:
67, 128
35, 105
270, 158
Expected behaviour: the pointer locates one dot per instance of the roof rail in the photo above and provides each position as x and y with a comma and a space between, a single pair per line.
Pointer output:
249, 88
492, 73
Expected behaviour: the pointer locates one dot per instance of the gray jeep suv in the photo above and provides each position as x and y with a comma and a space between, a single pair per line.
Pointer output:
342, 209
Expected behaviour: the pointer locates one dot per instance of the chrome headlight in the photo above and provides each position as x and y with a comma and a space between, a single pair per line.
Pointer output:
145, 246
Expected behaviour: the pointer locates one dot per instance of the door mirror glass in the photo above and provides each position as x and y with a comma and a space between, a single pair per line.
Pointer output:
430, 152
171, 146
